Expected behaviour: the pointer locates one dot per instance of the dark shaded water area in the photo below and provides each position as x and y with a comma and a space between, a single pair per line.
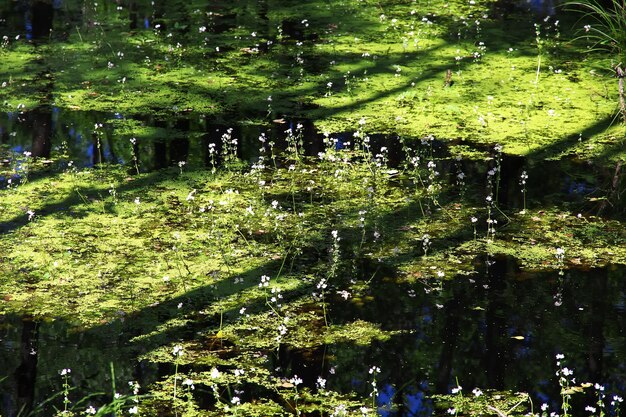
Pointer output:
78, 139
498, 328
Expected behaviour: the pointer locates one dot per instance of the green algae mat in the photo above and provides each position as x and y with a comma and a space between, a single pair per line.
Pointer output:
324, 208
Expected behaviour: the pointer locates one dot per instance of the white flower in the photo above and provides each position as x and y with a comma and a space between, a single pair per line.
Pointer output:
133, 410
374, 369
477, 392
265, 281
215, 373
135, 386
90, 410
177, 351
457, 389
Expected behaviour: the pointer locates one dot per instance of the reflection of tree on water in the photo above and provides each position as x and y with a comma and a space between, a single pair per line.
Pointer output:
38, 24
18, 387
41, 124
170, 153
594, 329
26, 373
39, 19
449, 341
496, 349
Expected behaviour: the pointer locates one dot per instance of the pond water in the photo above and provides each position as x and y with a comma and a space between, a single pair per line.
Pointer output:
498, 325
499, 328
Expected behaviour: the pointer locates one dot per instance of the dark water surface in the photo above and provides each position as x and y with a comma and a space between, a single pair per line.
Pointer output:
499, 328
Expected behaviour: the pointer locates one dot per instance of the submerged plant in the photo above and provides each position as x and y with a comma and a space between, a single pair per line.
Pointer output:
134, 152
564, 374
65, 373
177, 352
522, 181
374, 371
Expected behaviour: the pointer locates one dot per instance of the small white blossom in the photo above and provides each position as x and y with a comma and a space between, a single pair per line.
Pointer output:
177, 350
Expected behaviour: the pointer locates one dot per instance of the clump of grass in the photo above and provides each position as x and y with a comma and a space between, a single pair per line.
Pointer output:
607, 27
607, 31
